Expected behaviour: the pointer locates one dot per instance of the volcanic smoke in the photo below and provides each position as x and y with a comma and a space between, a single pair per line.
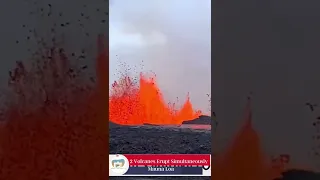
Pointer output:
138, 103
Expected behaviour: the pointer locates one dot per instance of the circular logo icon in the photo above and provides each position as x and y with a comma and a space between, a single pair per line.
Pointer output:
118, 165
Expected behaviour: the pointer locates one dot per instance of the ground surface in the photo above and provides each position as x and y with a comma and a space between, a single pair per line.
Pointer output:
158, 140
201, 120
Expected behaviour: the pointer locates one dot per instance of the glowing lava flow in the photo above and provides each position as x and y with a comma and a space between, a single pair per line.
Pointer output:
137, 104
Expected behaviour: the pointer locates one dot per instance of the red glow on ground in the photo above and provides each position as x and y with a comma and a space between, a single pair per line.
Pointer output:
138, 103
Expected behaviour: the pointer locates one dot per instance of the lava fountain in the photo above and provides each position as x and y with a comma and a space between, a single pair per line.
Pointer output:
55, 124
244, 157
134, 103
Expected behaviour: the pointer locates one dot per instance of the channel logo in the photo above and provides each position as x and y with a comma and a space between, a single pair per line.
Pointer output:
118, 165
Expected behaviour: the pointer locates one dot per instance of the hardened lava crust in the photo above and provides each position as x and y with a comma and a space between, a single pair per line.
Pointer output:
158, 140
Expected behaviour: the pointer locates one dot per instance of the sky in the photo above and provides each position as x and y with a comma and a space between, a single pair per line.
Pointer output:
171, 38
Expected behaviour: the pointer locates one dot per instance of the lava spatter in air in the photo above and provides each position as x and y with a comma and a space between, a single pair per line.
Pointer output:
54, 120
244, 158
142, 102
56, 115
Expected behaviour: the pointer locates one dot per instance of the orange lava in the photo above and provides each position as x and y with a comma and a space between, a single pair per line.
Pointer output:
55, 125
138, 103
244, 159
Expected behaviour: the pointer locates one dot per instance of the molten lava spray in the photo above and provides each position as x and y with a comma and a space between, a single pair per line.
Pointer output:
244, 158
55, 126
137, 103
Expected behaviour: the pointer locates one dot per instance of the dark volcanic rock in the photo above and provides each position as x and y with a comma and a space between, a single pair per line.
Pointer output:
158, 140
200, 120
299, 175
112, 125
